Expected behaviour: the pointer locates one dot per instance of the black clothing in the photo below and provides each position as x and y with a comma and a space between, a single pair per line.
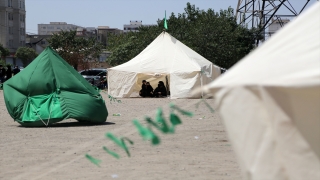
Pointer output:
103, 83
160, 91
16, 71
143, 91
2, 74
149, 91
9, 73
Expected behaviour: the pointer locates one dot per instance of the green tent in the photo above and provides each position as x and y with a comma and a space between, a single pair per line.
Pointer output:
49, 90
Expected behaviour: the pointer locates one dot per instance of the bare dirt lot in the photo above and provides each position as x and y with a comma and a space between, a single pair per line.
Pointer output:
198, 150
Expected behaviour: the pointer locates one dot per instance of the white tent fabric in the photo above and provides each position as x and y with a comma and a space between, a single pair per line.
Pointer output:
165, 59
270, 104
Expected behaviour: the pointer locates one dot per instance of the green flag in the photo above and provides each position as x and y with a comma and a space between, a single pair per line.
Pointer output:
165, 20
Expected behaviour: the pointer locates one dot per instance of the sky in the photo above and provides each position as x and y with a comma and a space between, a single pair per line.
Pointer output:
116, 13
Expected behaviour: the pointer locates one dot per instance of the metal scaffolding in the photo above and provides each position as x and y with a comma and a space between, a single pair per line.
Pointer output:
259, 13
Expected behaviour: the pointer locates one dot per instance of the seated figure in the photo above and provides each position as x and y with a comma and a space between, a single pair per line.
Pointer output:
161, 90
143, 91
149, 90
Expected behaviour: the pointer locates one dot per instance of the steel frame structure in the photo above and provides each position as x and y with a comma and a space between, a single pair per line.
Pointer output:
259, 13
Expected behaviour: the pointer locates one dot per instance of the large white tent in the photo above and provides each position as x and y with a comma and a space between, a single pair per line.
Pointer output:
165, 59
270, 104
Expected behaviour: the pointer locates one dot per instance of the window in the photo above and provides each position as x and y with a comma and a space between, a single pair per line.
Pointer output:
10, 30
10, 16
22, 18
10, 43
84, 72
21, 31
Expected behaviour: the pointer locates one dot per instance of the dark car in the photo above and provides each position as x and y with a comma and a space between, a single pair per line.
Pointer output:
93, 75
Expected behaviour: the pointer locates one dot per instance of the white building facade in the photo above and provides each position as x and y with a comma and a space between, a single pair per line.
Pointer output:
54, 27
133, 26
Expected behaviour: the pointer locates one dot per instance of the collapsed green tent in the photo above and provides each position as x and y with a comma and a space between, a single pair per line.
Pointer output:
49, 90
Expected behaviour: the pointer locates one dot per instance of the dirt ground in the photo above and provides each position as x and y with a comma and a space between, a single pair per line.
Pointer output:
198, 150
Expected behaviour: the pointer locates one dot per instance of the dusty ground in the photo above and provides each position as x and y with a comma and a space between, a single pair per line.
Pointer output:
198, 150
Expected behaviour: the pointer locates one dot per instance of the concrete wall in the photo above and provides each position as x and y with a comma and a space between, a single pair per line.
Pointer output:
12, 20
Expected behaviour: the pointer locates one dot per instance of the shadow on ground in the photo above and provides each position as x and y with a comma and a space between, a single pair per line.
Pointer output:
72, 124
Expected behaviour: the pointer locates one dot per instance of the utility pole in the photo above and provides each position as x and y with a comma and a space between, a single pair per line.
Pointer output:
259, 13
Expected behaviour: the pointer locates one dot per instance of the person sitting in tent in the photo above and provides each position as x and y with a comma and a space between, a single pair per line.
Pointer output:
161, 90
149, 90
143, 91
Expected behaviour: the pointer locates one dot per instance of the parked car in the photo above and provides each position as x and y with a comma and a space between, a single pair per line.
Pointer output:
93, 75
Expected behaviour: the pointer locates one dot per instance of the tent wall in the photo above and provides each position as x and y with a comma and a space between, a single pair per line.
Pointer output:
274, 131
270, 103
181, 84
121, 84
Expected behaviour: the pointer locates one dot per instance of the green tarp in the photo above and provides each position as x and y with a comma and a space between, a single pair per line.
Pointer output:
49, 90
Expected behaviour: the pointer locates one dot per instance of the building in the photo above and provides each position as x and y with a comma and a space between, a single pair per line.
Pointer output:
87, 32
103, 32
277, 24
12, 26
133, 26
40, 41
54, 27
37, 42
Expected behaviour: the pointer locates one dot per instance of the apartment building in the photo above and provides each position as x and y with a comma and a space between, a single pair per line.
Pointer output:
12, 25
89, 32
134, 26
103, 32
55, 27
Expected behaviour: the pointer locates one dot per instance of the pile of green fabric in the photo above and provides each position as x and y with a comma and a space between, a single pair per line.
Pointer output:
49, 90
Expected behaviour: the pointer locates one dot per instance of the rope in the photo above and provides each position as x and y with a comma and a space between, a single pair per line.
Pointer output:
40, 116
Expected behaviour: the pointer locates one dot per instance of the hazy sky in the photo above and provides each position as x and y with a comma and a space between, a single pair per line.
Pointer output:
116, 13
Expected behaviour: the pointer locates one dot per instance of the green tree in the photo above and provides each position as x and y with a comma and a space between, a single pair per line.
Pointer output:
26, 55
75, 50
3, 52
214, 35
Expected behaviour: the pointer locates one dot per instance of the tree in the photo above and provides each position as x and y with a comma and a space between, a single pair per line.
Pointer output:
214, 35
26, 55
75, 50
3, 52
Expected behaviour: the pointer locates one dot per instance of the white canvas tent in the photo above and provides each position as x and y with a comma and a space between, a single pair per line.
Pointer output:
165, 59
270, 104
